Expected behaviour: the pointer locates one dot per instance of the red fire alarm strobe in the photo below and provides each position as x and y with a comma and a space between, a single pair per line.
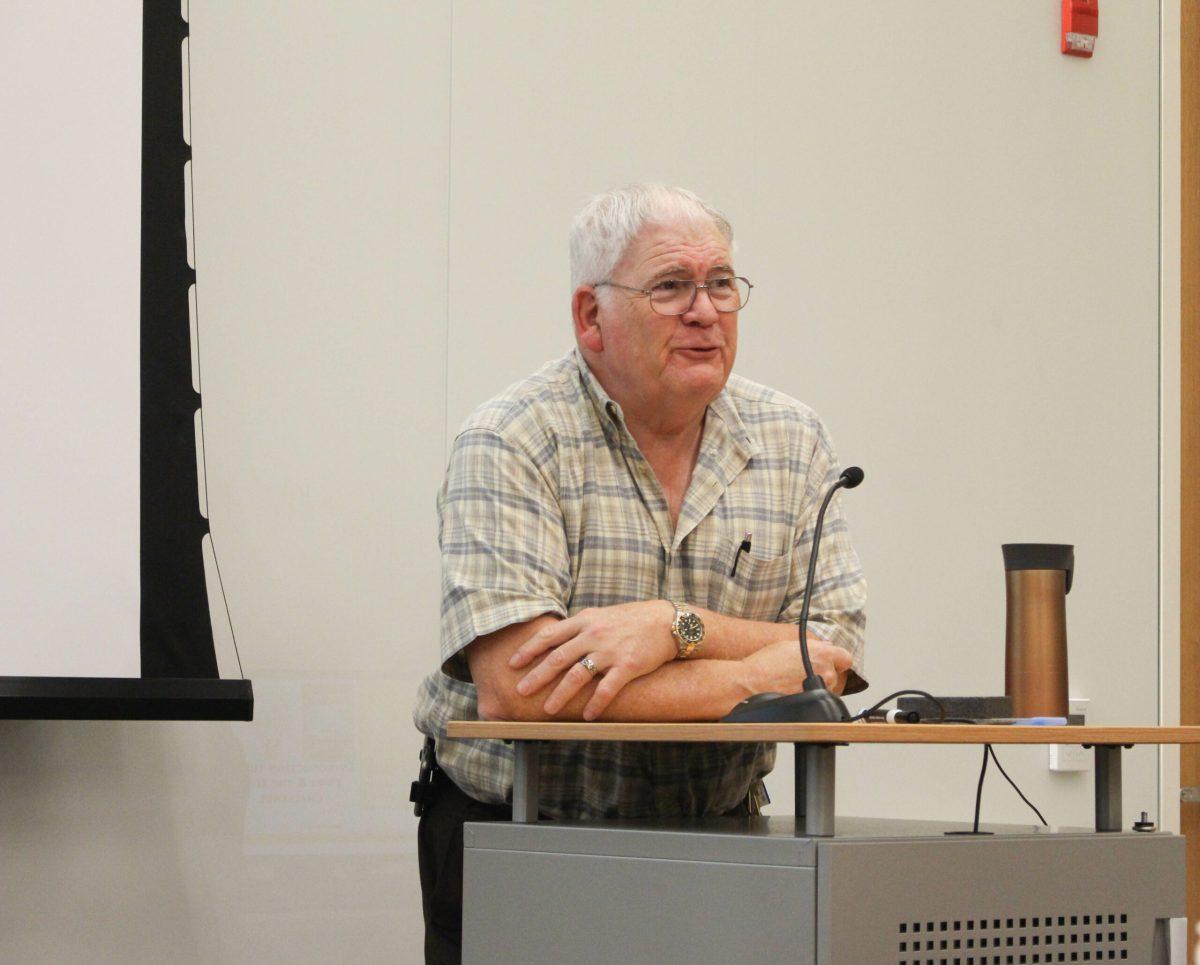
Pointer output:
1080, 22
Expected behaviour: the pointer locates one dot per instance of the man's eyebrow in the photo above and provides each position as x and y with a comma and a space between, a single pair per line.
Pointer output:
683, 270
667, 272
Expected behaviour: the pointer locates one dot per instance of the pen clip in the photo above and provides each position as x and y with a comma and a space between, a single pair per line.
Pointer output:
744, 548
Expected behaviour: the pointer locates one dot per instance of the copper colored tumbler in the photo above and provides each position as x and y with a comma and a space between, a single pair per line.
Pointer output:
1037, 580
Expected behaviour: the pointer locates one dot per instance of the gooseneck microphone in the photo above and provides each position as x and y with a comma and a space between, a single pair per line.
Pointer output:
850, 477
815, 703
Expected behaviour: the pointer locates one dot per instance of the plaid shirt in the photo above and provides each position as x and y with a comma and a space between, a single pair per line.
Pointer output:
548, 506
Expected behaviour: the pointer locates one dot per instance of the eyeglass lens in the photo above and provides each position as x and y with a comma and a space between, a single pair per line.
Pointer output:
674, 296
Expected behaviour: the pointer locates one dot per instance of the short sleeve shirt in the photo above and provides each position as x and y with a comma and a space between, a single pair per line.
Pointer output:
549, 507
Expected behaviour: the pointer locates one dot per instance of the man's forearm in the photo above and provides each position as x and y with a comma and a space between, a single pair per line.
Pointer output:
732, 638
692, 690
728, 637
704, 689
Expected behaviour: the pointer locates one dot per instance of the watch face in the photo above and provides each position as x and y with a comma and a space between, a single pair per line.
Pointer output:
690, 628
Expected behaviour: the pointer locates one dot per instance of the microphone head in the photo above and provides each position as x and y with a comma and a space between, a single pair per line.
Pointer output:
852, 476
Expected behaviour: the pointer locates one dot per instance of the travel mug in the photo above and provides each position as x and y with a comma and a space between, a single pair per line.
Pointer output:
1037, 579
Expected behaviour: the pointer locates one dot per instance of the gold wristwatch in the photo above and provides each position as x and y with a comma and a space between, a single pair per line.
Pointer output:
687, 629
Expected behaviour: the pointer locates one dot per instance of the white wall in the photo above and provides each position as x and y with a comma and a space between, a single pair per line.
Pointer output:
954, 233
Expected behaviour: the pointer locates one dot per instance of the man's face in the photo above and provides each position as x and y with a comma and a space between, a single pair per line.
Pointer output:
660, 360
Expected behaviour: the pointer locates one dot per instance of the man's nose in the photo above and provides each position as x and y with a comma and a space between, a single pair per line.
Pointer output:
702, 312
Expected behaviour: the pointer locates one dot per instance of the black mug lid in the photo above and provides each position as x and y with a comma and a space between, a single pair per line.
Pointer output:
1040, 556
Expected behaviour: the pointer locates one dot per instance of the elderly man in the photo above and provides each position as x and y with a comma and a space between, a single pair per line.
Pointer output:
625, 536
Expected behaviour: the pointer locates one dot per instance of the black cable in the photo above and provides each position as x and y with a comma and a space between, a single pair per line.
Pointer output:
988, 751
1014, 786
900, 693
979, 789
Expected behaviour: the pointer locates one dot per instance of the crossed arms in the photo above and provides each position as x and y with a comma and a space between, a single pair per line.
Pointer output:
640, 677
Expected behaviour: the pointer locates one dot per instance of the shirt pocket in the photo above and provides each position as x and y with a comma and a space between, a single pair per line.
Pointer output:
757, 588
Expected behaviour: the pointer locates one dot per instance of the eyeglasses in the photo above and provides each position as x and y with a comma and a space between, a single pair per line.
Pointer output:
675, 296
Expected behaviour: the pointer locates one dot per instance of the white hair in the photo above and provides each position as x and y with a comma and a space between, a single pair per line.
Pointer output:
603, 230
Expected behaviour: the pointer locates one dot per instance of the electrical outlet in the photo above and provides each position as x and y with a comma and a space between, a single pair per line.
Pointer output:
1071, 757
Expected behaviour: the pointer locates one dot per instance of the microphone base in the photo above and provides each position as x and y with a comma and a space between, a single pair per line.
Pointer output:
818, 706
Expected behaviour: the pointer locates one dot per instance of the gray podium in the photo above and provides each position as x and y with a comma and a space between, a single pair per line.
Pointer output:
812, 889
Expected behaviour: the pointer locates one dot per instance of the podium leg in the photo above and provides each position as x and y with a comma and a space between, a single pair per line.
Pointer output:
815, 784
1108, 787
525, 782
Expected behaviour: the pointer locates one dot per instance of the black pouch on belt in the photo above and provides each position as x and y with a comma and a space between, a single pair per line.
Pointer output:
420, 792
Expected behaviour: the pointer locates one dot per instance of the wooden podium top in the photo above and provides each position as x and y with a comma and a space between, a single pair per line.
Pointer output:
857, 733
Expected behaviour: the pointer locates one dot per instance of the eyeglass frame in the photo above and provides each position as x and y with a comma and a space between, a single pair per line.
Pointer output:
695, 292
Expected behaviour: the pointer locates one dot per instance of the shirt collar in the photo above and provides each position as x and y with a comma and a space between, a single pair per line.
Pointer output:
612, 419
739, 434
608, 412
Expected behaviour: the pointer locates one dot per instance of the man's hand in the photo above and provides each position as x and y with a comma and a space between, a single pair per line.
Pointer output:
779, 668
624, 642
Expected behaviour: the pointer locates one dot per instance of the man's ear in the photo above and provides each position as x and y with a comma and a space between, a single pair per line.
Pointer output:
585, 309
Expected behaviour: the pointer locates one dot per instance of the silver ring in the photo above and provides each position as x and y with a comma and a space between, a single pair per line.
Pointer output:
589, 665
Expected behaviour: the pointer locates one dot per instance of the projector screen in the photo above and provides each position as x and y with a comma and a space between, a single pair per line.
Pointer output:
69, 343
104, 598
